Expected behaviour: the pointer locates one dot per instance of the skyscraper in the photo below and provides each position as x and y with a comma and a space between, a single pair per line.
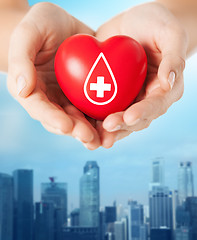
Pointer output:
185, 181
160, 201
23, 204
158, 172
110, 214
191, 207
119, 230
56, 193
6, 207
44, 222
89, 195
136, 220
74, 216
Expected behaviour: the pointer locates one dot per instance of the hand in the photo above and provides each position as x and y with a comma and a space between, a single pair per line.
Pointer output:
165, 43
31, 77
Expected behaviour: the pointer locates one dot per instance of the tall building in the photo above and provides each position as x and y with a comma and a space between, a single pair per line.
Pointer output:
185, 181
183, 233
158, 172
175, 204
160, 201
161, 234
110, 214
89, 196
23, 204
56, 193
191, 207
44, 222
119, 230
75, 217
136, 221
6, 207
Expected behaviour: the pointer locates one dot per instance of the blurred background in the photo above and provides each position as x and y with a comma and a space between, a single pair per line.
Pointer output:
125, 173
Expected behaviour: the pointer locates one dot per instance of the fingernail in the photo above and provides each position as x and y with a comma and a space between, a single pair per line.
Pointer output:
171, 79
134, 122
78, 139
86, 145
118, 127
59, 132
21, 84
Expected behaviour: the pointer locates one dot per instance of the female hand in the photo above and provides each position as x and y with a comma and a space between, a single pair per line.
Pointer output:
165, 43
31, 76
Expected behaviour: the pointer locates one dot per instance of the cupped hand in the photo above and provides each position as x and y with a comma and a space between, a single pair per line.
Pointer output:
165, 43
31, 76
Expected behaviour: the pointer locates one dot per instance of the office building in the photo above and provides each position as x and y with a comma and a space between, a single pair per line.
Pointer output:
44, 221
183, 233
160, 202
75, 217
56, 193
89, 196
191, 207
136, 221
119, 230
110, 214
158, 172
23, 204
6, 207
185, 181
161, 234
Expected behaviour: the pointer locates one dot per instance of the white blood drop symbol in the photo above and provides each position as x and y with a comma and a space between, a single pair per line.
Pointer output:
100, 86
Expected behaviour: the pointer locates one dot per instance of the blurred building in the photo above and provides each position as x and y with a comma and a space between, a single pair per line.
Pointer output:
160, 201
75, 217
185, 181
23, 204
110, 214
119, 230
191, 207
90, 195
137, 228
158, 172
161, 234
56, 193
175, 204
183, 233
44, 221
6, 207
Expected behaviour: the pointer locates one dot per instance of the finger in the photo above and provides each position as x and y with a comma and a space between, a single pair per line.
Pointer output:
172, 42
25, 43
148, 109
40, 108
83, 129
113, 122
52, 130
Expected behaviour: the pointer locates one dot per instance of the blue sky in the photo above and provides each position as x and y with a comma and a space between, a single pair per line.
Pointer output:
126, 168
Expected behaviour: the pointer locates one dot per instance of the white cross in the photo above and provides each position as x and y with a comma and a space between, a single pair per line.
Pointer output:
100, 87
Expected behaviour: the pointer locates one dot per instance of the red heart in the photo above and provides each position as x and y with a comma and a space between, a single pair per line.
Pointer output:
100, 78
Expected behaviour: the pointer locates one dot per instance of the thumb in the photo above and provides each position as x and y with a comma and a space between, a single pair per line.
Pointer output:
25, 43
173, 46
170, 69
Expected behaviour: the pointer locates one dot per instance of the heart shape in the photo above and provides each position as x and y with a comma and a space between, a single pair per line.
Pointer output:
100, 78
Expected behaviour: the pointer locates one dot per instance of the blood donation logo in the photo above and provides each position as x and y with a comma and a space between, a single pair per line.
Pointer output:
100, 89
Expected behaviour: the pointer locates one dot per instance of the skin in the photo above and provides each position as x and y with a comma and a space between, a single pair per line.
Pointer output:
31, 59
11, 13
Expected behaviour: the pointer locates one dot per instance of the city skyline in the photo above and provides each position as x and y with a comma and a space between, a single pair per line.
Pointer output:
71, 205
168, 217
